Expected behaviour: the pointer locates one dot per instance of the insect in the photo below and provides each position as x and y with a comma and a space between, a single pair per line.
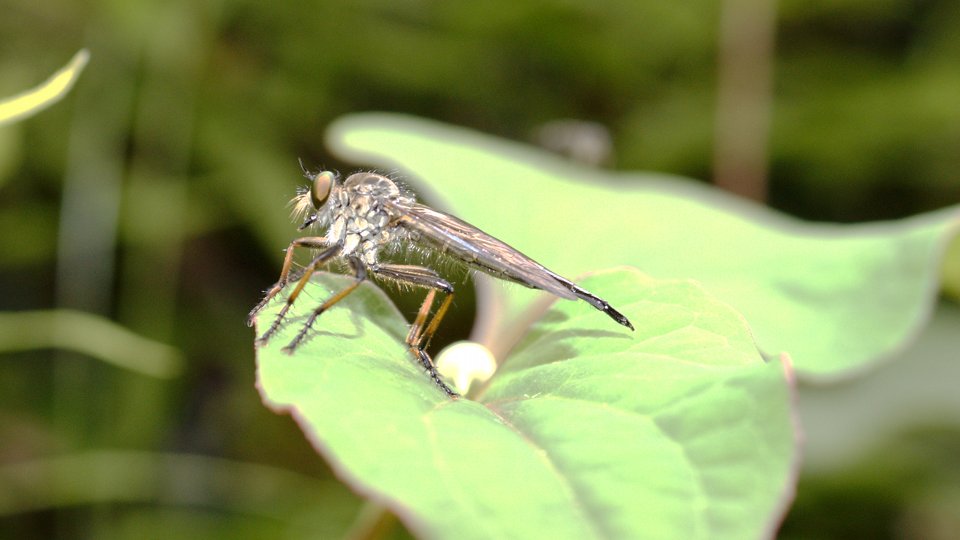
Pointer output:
368, 214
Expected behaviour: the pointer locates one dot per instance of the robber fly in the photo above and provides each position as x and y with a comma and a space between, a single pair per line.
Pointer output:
369, 213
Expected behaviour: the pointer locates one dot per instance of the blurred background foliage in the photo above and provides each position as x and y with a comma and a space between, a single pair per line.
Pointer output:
153, 196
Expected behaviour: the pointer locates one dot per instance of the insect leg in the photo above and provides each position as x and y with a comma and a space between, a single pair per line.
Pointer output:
313, 242
360, 272
423, 340
323, 257
417, 327
420, 332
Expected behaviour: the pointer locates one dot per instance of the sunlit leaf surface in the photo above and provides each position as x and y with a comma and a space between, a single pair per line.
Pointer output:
677, 430
835, 297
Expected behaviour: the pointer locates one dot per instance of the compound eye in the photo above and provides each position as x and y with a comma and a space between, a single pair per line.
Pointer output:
320, 190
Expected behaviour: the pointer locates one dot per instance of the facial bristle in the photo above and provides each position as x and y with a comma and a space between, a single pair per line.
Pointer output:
301, 206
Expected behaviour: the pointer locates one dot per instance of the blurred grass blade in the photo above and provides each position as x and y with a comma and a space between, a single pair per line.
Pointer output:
115, 476
951, 269
91, 335
36, 99
677, 430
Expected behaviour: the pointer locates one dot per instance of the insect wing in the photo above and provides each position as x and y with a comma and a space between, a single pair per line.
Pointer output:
457, 238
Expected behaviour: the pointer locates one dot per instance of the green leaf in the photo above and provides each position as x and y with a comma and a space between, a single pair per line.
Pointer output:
836, 297
677, 430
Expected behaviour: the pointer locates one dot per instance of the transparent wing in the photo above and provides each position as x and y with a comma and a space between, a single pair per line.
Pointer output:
458, 239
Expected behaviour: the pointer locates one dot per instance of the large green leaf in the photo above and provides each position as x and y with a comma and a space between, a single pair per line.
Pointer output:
677, 430
836, 297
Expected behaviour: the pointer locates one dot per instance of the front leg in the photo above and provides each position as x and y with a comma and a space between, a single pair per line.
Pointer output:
320, 259
312, 242
360, 271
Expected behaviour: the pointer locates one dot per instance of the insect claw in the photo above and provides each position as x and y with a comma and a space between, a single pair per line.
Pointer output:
291, 347
262, 340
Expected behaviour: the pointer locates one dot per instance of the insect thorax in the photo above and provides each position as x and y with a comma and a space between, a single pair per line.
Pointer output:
361, 212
